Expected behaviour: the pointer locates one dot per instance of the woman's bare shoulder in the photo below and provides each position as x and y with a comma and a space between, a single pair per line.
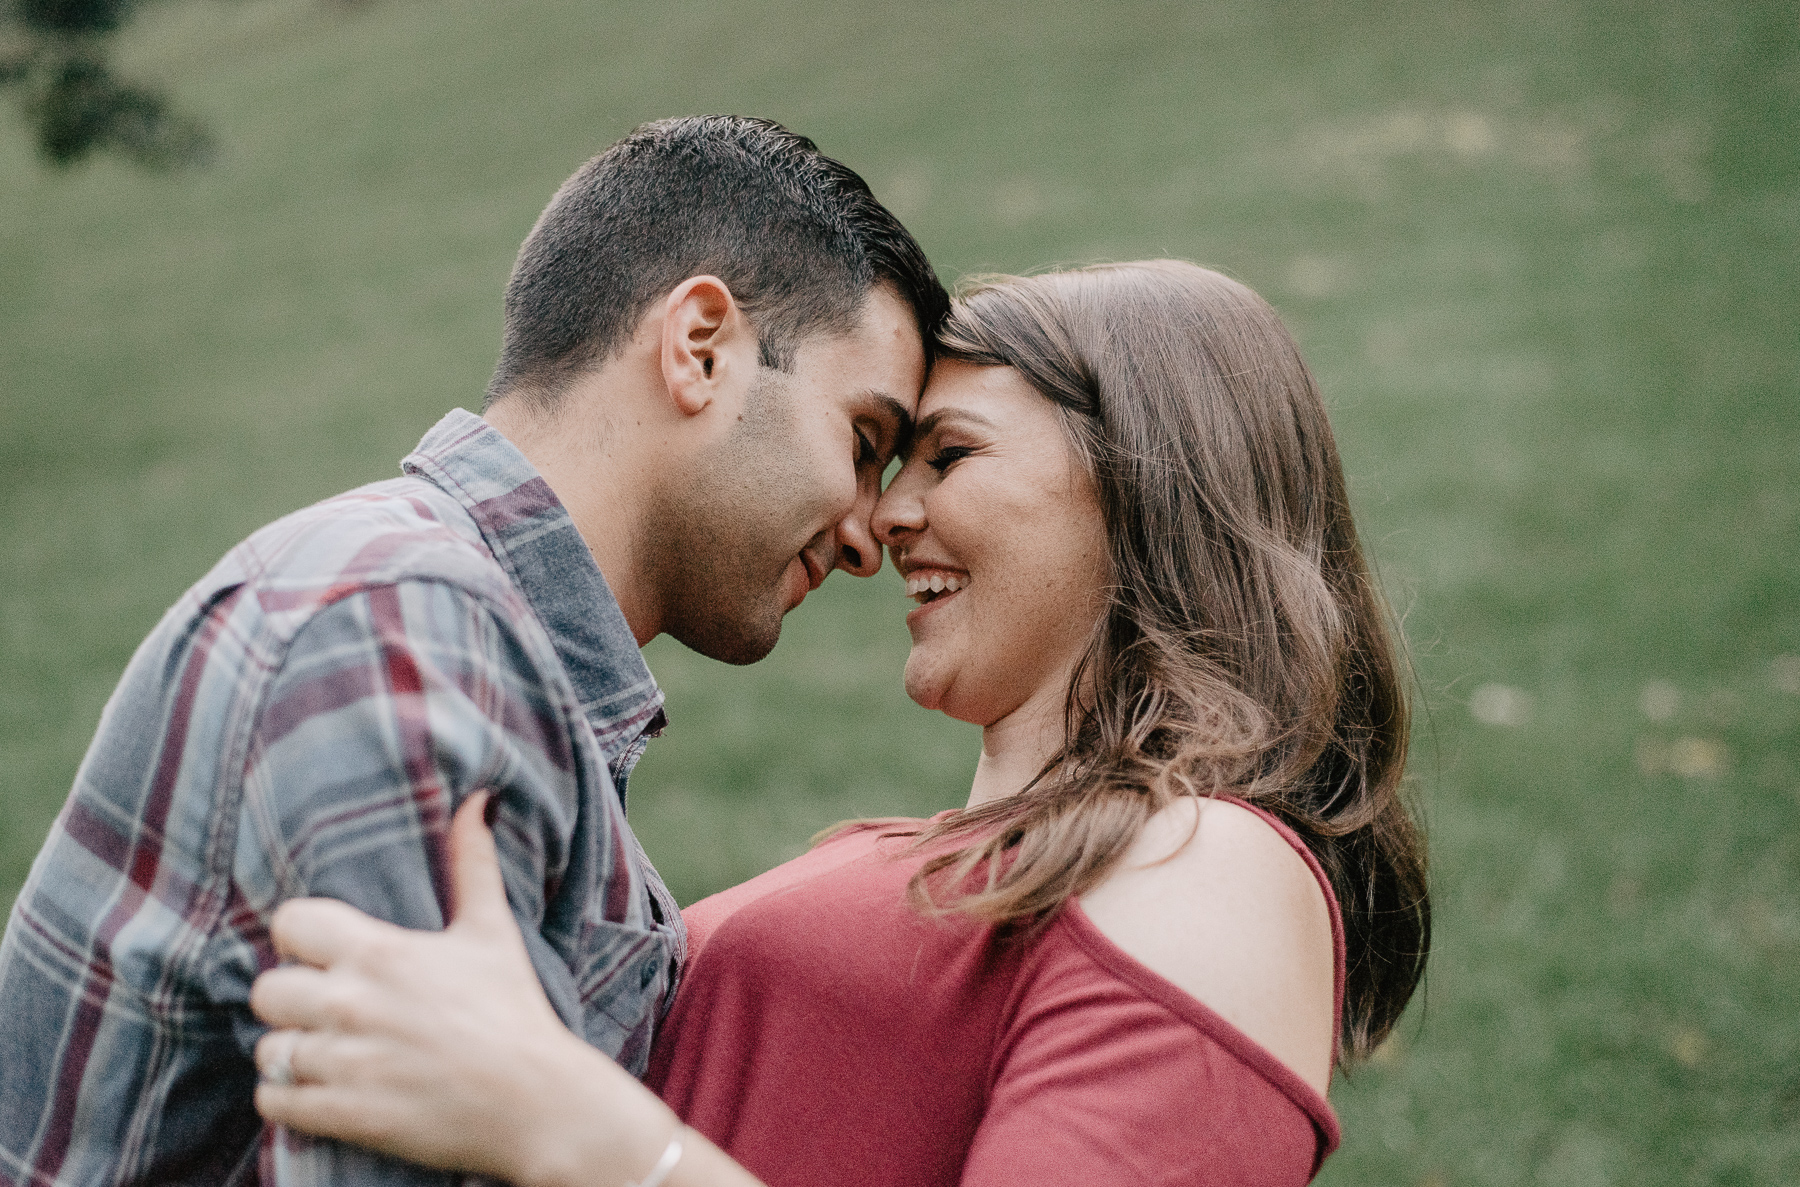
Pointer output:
1215, 900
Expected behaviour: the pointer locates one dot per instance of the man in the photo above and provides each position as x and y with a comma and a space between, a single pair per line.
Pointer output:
714, 340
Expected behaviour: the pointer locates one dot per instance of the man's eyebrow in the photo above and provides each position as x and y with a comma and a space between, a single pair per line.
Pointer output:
903, 421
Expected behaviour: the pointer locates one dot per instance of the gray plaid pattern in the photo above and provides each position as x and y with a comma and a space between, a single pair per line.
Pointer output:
304, 722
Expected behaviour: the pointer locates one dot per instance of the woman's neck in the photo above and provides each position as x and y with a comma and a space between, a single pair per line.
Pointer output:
1015, 748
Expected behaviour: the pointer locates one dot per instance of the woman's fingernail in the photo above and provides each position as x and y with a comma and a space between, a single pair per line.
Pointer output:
491, 809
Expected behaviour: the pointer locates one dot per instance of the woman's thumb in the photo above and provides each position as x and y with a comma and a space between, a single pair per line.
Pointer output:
478, 893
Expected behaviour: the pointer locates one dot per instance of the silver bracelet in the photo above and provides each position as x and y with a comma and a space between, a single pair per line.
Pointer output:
665, 1166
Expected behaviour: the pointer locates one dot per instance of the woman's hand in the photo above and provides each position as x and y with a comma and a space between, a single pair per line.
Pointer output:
440, 1047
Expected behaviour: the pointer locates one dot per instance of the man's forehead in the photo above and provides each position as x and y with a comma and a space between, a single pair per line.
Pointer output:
876, 374
890, 328
876, 367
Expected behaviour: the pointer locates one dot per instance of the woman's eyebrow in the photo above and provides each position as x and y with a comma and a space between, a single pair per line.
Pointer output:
931, 422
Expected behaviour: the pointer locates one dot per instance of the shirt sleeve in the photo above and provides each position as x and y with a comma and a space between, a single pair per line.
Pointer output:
390, 707
1100, 1086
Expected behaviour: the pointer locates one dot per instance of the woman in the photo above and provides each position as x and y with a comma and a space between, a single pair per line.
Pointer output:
1184, 886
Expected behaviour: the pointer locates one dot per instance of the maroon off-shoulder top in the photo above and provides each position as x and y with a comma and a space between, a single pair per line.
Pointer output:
828, 1033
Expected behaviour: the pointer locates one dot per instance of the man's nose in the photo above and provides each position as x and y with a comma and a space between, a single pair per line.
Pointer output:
858, 553
899, 512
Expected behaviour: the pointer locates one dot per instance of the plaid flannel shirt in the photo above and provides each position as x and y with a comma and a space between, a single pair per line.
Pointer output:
304, 722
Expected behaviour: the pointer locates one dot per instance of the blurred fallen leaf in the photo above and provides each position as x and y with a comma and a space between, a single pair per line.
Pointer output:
1689, 1047
1500, 704
1696, 758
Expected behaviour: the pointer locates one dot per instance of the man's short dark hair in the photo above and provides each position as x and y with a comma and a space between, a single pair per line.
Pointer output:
795, 235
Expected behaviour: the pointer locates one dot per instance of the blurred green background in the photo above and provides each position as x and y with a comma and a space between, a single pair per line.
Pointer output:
1541, 255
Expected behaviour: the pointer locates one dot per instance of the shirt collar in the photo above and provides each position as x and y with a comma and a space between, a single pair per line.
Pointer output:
530, 533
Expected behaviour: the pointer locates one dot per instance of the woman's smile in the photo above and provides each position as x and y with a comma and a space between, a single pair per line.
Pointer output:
931, 589
924, 588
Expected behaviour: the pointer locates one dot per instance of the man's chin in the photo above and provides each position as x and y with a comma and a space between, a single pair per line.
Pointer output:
737, 646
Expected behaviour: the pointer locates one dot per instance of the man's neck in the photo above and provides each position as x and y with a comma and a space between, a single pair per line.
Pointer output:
596, 483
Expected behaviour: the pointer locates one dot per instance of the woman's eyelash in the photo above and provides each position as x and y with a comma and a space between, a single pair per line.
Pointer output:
943, 458
866, 454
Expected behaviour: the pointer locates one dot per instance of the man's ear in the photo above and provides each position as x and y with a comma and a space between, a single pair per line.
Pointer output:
708, 346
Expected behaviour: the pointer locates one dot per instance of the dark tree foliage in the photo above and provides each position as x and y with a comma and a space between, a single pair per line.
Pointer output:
54, 54
75, 16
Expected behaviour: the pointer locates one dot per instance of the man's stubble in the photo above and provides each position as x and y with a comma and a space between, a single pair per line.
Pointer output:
719, 545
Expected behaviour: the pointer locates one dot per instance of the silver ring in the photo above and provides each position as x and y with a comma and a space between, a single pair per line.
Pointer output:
280, 1069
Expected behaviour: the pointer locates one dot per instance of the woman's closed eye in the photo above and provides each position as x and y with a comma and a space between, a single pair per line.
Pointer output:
866, 453
948, 456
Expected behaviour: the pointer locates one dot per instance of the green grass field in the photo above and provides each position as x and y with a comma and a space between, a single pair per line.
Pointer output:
1541, 256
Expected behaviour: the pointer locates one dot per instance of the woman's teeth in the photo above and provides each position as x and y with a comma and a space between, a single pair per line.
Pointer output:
922, 588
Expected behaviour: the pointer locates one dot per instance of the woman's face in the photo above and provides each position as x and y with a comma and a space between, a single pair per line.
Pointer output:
995, 527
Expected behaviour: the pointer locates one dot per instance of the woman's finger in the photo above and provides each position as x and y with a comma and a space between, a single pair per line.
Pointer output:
274, 1056
322, 931
477, 889
283, 1104
292, 997
321, 1109
348, 1062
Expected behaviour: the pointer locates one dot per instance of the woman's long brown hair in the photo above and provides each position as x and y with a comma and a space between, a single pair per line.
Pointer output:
1245, 650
